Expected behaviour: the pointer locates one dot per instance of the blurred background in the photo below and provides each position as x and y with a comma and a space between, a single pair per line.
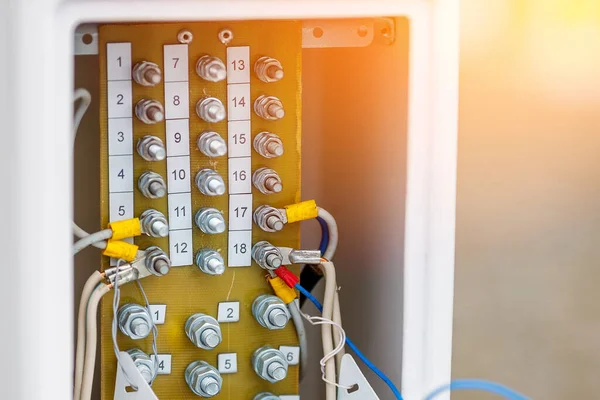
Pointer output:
527, 305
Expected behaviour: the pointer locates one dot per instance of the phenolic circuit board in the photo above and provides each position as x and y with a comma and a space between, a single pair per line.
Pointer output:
186, 290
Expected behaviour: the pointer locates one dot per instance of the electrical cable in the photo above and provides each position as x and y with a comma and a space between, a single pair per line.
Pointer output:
350, 344
154, 328
332, 244
85, 99
481, 385
309, 275
337, 349
97, 237
88, 288
301, 332
91, 340
326, 330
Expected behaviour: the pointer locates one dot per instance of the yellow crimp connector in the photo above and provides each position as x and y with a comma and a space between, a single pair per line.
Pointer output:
126, 229
119, 249
301, 211
283, 291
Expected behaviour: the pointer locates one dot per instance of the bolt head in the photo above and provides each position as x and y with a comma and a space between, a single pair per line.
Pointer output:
195, 327
131, 317
204, 379
263, 358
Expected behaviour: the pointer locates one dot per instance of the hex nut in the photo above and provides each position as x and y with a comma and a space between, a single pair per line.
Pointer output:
268, 69
268, 145
144, 364
151, 148
211, 68
266, 255
195, 327
269, 219
149, 111
269, 107
266, 396
147, 73
157, 261
265, 359
267, 181
263, 307
152, 185
197, 372
154, 223
126, 317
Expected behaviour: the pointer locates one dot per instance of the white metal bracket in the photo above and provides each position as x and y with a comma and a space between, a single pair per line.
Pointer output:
127, 369
86, 40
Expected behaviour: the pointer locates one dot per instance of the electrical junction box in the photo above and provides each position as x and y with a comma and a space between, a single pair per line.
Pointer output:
370, 94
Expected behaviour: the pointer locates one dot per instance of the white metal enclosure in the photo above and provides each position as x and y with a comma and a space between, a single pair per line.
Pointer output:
37, 82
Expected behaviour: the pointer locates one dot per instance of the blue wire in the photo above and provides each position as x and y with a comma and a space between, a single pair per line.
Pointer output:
478, 384
324, 235
360, 355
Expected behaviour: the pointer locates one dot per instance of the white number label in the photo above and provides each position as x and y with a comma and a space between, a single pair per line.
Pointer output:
240, 139
240, 212
229, 312
178, 170
121, 206
120, 136
227, 363
177, 104
180, 246
240, 244
178, 137
176, 62
158, 312
291, 354
119, 99
180, 211
118, 61
239, 100
163, 363
238, 64
240, 175
121, 174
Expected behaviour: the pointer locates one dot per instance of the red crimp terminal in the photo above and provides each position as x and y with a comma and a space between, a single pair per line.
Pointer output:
288, 277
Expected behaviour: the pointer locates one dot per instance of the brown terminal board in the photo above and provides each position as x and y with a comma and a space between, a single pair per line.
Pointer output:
186, 290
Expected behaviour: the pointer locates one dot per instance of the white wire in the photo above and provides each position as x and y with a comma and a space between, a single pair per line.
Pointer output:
326, 330
294, 308
333, 232
85, 99
88, 288
116, 301
97, 237
329, 356
154, 328
329, 253
91, 341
